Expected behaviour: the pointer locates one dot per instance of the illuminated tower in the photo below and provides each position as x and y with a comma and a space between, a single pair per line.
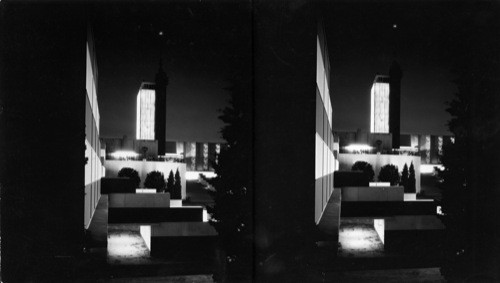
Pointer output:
380, 104
161, 82
146, 112
395, 75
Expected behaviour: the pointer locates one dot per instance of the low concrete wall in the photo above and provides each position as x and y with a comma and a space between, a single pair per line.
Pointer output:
416, 235
346, 160
388, 208
139, 200
155, 214
117, 185
373, 193
144, 167
185, 239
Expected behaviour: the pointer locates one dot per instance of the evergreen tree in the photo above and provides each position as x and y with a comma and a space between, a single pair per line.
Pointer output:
177, 189
404, 178
232, 213
170, 184
156, 180
412, 181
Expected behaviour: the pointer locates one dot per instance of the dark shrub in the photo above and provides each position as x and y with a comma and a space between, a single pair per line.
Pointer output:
365, 167
155, 180
389, 173
130, 173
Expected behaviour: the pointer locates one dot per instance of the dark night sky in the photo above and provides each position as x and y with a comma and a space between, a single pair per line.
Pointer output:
203, 37
363, 42
201, 40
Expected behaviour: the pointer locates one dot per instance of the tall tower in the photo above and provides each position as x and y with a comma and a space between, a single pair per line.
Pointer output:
161, 82
395, 75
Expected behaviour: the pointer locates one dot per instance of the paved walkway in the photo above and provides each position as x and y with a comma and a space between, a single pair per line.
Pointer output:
98, 228
330, 220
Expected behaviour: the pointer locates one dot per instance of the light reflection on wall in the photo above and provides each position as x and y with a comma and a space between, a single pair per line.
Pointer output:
146, 112
379, 115
324, 156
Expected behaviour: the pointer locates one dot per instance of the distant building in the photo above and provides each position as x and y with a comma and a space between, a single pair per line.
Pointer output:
197, 155
152, 110
146, 100
385, 104
428, 147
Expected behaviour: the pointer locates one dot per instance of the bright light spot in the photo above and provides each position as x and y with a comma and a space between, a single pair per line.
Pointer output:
407, 148
358, 147
379, 184
146, 235
125, 245
160, 33
394, 26
355, 239
410, 196
205, 215
124, 154
175, 203
379, 225
145, 191
429, 168
195, 175
439, 211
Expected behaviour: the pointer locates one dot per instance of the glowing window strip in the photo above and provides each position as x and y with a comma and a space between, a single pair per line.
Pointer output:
146, 114
379, 111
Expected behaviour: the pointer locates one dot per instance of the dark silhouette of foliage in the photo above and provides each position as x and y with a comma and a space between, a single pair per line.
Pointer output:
389, 173
365, 167
170, 182
471, 163
404, 178
177, 190
155, 180
412, 181
232, 214
130, 173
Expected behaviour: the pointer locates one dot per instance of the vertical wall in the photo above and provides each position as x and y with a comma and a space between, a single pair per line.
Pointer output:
324, 157
285, 91
42, 142
93, 167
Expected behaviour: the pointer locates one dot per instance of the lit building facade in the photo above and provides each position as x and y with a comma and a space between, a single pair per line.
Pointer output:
146, 99
94, 169
324, 156
380, 103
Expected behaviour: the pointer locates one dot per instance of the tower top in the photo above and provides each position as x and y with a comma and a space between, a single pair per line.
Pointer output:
161, 76
395, 71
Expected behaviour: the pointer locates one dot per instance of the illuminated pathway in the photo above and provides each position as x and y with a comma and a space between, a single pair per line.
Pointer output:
358, 238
